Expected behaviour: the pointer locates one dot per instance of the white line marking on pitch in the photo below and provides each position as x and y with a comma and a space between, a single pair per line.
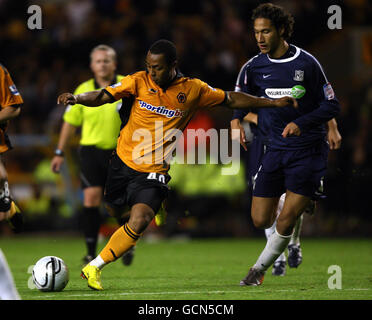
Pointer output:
184, 292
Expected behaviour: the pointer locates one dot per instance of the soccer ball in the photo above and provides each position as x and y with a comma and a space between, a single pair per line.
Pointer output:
50, 274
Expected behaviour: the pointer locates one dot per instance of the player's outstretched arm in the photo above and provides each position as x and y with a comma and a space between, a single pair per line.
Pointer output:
8, 113
237, 100
89, 99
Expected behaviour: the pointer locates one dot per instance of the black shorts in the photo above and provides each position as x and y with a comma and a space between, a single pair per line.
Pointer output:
94, 164
125, 186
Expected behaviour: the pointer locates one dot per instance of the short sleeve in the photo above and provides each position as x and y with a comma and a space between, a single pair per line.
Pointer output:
9, 94
210, 96
123, 89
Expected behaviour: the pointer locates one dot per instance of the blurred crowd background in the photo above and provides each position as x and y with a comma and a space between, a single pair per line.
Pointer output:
214, 39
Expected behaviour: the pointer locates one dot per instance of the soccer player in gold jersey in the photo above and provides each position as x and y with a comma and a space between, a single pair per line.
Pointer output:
164, 101
99, 132
10, 107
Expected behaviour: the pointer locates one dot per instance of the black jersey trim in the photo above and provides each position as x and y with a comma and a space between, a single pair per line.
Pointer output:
110, 95
225, 99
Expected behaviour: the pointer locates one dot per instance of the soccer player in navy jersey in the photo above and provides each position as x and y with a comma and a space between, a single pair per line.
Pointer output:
295, 140
257, 147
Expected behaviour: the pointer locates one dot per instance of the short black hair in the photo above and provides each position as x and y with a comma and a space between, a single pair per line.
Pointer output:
278, 16
165, 47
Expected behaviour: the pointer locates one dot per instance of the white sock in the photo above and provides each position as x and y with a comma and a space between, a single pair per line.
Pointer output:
275, 246
271, 230
98, 262
268, 233
295, 239
8, 291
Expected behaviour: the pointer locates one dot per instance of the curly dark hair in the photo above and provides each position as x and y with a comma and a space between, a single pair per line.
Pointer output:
278, 16
165, 47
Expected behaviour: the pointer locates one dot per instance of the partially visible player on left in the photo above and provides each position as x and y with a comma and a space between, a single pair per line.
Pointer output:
10, 107
10, 102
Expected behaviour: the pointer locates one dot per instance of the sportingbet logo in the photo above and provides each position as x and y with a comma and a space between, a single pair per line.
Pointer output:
162, 110
296, 92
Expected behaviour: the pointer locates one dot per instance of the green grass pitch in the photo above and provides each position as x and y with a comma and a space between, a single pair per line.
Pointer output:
198, 270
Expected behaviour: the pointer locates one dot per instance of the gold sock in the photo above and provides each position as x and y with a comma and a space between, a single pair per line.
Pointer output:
121, 241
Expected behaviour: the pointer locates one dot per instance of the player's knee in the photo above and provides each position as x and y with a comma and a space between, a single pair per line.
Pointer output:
3, 175
92, 197
286, 223
92, 203
139, 222
261, 222
113, 212
140, 218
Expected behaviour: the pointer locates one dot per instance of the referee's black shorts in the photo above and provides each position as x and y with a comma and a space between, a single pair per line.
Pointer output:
126, 187
94, 164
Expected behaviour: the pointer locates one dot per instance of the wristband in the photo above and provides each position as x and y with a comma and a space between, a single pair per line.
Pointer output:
59, 152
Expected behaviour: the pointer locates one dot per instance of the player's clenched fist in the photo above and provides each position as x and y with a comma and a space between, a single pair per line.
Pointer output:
67, 98
286, 102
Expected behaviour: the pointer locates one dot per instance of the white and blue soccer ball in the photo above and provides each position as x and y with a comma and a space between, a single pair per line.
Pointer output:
50, 273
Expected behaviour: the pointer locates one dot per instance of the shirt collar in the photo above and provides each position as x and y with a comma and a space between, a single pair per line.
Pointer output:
292, 53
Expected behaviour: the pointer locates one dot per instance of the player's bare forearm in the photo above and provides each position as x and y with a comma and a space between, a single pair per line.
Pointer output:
332, 124
237, 100
241, 100
9, 113
93, 98
333, 135
89, 99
